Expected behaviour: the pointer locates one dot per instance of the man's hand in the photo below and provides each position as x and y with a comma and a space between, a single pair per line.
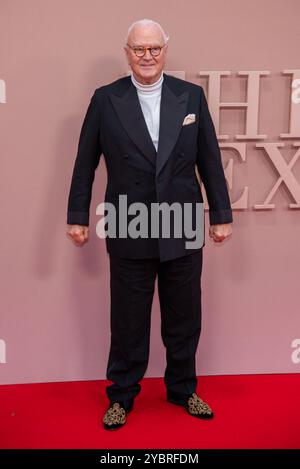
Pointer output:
78, 234
220, 232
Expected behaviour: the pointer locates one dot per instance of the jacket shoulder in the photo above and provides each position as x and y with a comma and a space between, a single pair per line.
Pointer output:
180, 85
114, 86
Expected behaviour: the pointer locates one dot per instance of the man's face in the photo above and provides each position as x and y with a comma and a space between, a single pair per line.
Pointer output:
146, 69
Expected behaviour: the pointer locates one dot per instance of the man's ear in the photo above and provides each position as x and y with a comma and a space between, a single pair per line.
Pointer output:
126, 52
126, 55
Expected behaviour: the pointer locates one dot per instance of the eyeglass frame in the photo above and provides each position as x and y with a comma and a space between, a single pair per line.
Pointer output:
145, 50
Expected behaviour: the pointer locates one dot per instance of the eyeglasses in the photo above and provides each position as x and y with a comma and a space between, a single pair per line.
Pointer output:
141, 51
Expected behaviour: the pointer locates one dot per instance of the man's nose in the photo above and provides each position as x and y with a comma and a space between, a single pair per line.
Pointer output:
148, 54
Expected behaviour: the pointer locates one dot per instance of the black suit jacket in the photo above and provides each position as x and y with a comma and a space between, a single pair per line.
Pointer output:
114, 126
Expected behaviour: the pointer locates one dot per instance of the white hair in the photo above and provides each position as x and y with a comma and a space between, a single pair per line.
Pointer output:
146, 22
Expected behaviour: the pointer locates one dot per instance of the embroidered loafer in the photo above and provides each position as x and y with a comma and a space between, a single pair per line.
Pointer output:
194, 405
115, 415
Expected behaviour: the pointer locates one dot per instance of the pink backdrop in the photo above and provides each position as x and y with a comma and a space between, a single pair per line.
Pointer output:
54, 322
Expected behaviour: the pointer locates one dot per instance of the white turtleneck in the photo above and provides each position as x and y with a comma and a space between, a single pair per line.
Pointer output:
149, 97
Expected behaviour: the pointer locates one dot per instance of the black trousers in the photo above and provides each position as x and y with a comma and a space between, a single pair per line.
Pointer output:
132, 284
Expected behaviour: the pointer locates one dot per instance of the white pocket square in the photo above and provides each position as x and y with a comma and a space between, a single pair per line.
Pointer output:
189, 119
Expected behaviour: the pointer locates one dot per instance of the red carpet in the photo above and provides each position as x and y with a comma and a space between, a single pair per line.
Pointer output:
251, 411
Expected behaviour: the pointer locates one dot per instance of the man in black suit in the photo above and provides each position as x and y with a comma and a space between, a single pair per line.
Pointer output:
153, 130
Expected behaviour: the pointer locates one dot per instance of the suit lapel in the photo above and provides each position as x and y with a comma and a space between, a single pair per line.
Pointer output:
130, 113
172, 112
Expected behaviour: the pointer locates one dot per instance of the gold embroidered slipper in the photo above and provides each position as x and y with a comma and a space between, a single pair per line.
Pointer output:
115, 416
194, 405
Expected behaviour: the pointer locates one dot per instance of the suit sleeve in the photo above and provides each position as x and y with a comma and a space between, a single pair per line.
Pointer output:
210, 168
87, 159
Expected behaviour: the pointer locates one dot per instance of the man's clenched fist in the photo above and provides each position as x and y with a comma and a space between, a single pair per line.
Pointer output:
220, 232
78, 234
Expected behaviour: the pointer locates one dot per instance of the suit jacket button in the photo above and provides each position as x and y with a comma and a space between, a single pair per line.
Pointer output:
136, 182
125, 155
181, 153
